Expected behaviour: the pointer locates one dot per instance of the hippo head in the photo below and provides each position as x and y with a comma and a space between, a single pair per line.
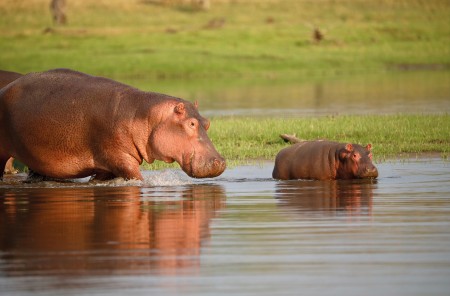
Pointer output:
355, 161
182, 137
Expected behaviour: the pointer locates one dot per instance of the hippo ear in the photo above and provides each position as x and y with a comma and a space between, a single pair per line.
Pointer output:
369, 147
346, 152
196, 104
179, 109
206, 124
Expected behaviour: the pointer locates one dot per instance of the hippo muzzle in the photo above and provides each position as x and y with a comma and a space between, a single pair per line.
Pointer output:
368, 173
201, 167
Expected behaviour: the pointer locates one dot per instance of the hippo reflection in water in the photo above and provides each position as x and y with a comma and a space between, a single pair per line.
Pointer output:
66, 124
350, 198
71, 230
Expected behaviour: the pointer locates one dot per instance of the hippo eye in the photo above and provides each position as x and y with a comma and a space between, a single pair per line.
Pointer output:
192, 124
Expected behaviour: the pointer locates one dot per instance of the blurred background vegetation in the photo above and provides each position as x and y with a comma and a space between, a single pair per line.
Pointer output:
161, 40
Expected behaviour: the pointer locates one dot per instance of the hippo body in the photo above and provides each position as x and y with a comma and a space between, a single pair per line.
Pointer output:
6, 77
66, 124
324, 160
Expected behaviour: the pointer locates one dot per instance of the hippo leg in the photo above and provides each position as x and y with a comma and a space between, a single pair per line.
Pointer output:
5, 165
34, 177
129, 173
127, 167
2, 167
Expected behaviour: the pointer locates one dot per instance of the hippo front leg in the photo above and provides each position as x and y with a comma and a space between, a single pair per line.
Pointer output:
127, 168
103, 176
129, 173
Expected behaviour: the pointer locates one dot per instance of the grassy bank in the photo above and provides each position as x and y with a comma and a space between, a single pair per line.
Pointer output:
240, 38
242, 140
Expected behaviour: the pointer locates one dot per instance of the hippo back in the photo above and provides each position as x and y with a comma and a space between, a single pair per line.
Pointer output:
307, 160
6, 77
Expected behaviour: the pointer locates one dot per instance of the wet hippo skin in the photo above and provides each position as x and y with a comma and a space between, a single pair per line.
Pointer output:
324, 160
66, 124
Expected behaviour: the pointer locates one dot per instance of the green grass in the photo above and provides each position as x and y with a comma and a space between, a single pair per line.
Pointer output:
243, 140
264, 38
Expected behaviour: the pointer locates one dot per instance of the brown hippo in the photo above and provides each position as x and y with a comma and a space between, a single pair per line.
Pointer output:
324, 160
66, 124
6, 77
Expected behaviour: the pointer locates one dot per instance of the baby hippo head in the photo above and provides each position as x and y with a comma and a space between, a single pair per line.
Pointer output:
355, 162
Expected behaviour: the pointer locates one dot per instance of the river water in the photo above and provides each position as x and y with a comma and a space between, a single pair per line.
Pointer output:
386, 93
242, 233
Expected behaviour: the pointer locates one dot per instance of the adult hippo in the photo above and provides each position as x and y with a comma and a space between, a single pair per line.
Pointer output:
6, 77
324, 160
65, 124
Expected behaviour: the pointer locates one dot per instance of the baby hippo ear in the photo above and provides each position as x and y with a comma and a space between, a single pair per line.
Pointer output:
206, 124
346, 152
179, 109
196, 104
349, 147
369, 147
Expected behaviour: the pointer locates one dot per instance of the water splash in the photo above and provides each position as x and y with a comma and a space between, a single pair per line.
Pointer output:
152, 179
162, 178
116, 182
166, 178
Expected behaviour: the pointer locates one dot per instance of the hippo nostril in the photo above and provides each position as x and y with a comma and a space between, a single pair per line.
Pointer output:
219, 163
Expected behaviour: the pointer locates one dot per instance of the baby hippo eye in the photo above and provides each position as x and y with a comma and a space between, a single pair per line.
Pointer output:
192, 124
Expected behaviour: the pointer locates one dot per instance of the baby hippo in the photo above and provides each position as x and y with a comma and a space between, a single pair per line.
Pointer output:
324, 160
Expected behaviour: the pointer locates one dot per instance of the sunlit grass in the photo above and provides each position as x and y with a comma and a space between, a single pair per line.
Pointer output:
267, 38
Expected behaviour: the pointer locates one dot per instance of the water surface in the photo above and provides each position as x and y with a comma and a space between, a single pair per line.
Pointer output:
383, 93
241, 233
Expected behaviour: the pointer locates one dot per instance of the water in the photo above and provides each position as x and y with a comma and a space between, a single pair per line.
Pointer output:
241, 233
388, 93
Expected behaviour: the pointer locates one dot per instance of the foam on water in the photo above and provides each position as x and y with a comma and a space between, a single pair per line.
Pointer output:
166, 178
161, 178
